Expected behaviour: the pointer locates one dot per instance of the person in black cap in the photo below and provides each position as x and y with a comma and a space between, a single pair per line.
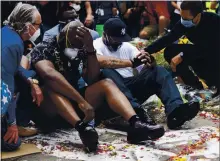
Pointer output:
58, 63
120, 57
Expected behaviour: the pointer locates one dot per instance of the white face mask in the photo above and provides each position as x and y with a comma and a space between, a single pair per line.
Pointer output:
76, 7
71, 53
35, 36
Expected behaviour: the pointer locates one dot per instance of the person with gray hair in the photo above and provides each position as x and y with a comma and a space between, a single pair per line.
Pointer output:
22, 24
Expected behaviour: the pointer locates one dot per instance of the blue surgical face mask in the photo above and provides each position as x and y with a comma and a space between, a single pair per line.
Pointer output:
187, 23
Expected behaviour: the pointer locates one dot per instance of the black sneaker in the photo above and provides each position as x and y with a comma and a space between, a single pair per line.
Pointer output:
144, 117
142, 131
89, 138
183, 113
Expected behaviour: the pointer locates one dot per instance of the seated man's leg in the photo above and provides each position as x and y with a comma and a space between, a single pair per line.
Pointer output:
56, 104
159, 81
118, 80
106, 90
177, 112
182, 69
5, 145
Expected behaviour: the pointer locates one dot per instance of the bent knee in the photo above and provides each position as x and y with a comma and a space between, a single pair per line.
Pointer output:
164, 19
161, 71
107, 82
144, 35
11, 146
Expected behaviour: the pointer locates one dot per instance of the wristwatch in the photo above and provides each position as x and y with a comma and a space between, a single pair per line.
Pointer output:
34, 81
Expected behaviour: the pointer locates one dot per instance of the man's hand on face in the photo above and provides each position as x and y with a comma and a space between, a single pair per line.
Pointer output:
11, 135
85, 37
175, 61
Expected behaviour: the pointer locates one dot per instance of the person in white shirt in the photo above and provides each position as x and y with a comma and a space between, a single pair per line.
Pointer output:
118, 58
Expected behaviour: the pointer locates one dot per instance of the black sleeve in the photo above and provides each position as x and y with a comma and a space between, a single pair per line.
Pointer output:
166, 40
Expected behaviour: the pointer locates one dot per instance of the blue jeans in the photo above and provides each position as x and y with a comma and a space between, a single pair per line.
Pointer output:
5, 145
147, 83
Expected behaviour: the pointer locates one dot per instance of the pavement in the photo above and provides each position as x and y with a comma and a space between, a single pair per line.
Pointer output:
114, 138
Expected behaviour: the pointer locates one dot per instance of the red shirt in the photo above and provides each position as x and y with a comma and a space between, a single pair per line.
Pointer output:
153, 9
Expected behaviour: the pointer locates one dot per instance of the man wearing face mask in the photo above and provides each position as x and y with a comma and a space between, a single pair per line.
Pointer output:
69, 12
203, 30
58, 62
22, 24
120, 57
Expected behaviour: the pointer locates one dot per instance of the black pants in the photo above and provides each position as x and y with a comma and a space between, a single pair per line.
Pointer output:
205, 66
149, 82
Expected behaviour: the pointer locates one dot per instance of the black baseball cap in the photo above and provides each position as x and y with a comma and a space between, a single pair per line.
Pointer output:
116, 28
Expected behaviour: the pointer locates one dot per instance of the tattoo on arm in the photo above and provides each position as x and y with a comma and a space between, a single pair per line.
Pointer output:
115, 63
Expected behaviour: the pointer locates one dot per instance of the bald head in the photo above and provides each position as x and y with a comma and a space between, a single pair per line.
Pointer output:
68, 34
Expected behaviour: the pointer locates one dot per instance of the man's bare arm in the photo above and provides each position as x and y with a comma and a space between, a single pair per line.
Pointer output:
56, 81
92, 73
114, 63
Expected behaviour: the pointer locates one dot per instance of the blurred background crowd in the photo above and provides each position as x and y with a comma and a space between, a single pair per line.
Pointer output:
144, 19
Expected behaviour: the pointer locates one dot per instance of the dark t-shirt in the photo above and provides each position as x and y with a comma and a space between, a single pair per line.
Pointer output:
49, 13
102, 10
206, 36
50, 50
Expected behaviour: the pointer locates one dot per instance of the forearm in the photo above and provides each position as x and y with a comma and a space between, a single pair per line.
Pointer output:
93, 69
175, 5
59, 84
11, 116
114, 63
166, 40
88, 8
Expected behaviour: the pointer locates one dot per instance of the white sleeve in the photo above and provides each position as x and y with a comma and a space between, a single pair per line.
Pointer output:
97, 46
133, 51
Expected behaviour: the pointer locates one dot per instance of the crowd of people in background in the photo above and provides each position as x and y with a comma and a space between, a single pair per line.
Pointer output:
63, 62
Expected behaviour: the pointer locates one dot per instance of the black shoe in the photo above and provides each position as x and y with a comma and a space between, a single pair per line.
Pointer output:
89, 137
183, 113
144, 117
142, 131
